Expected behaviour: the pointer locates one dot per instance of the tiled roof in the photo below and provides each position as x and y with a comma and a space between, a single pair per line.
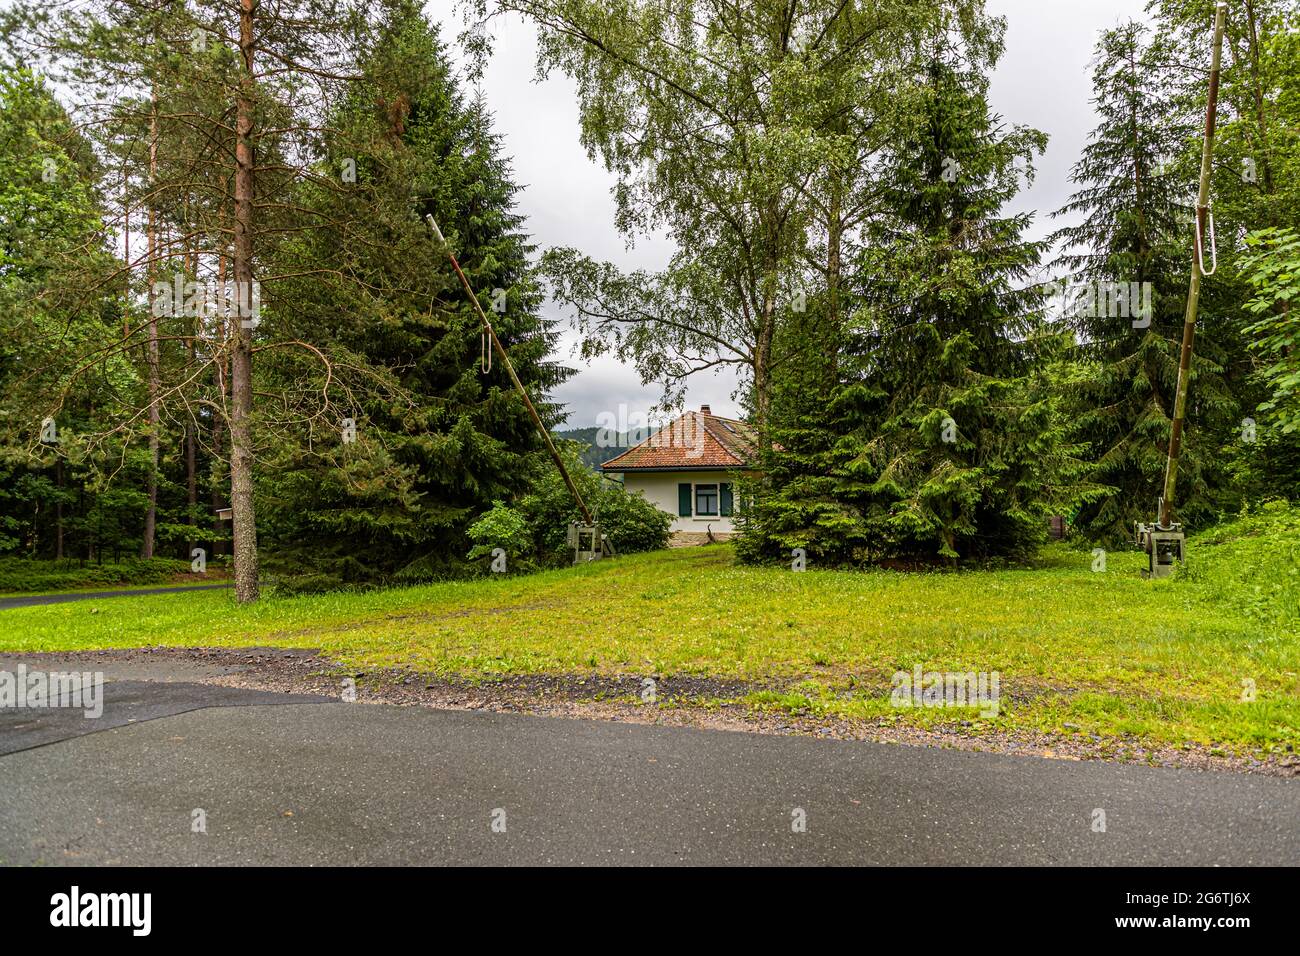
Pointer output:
693, 440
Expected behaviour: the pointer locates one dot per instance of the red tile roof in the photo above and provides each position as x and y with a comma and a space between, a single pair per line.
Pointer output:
693, 440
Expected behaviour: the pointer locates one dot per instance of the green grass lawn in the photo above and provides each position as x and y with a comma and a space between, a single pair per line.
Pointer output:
1078, 652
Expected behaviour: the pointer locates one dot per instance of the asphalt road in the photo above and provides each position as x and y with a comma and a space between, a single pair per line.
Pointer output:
36, 600
293, 780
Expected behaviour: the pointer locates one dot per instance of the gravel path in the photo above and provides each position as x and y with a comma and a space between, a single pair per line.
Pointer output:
680, 701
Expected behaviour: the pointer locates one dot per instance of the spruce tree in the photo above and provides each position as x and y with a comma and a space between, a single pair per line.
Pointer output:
1136, 228
939, 439
450, 437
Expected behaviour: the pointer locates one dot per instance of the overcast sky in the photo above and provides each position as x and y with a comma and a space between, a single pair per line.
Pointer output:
1043, 81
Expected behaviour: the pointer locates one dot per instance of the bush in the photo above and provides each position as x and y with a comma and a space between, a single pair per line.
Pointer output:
632, 523
500, 527
29, 574
1271, 269
629, 521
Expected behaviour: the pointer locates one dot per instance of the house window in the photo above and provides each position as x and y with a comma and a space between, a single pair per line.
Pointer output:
706, 500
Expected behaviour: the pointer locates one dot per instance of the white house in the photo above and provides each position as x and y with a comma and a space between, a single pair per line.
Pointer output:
688, 469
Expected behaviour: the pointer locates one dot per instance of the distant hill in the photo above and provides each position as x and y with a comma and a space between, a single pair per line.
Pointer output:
592, 455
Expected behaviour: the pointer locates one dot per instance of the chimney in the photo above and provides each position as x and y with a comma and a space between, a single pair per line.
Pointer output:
704, 410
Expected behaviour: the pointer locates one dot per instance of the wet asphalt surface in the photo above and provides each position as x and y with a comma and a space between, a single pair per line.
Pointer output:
299, 779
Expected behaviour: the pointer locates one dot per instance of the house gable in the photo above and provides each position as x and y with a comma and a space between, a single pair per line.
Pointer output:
694, 441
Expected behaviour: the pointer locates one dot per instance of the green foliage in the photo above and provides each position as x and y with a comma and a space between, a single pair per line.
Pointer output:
916, 406
26, 575
500, 527
922, 428
1258, 110
46, 201
729, 133
441, 439
51, 252
1252, 564
1134, 177
1274, 273
631, 523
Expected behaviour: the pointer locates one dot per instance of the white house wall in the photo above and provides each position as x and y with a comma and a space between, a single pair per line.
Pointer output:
660, 489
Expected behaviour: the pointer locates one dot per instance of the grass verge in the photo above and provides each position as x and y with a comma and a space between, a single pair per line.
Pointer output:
1079, 652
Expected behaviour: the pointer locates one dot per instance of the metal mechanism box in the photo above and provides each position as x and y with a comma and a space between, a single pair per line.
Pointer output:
588, 543
1164, 548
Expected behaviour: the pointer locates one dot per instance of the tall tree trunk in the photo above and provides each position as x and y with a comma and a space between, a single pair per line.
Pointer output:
1257, 90
834, 267
219, 418
151, 514
191, 449
763, 361
58, 511
126, 249
83, 554
191, 487
767, 293
764, 336
241, 366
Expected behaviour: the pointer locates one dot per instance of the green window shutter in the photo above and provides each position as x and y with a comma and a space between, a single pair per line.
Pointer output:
724, 496
684, 499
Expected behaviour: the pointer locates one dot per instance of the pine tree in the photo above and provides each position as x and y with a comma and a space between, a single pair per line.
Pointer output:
395, 504
937, 439
253, 81
1135, 230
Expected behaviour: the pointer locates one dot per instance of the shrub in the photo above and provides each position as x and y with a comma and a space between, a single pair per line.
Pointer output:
500, 527
631, 523
29, 574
